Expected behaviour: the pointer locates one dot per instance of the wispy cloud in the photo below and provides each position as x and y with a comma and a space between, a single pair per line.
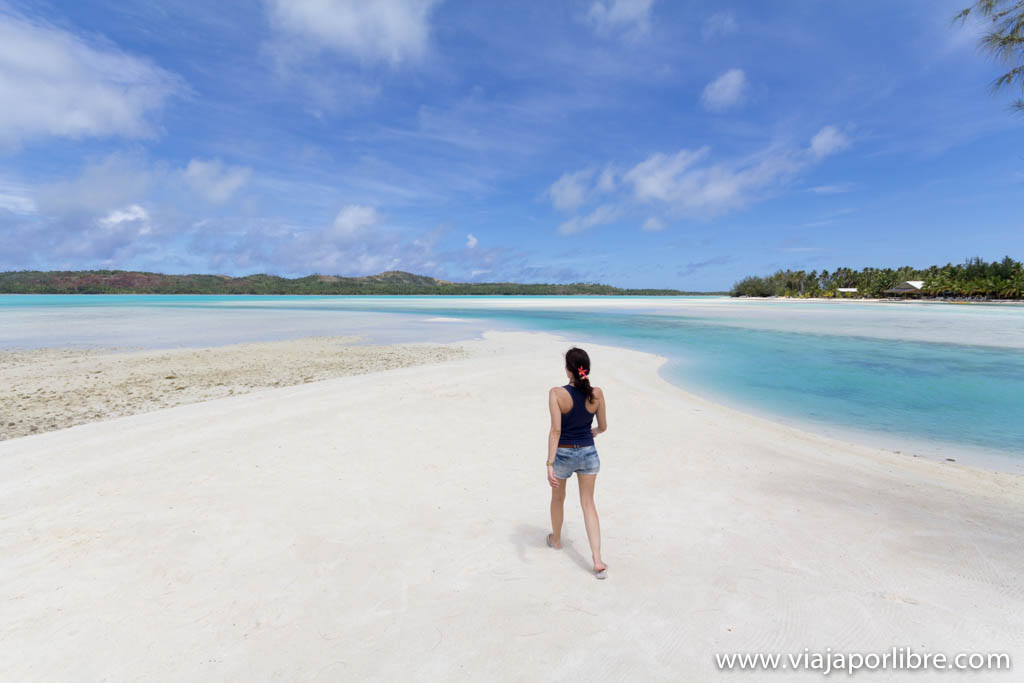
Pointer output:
101, 217
335, 56
16, 198
607, 181
214, 181
828, 141
123, 210
653, 224
725, 92
631, 18
100, 187
829, 218
835, 188
354, 221
794, 245
606, 213
689, 182
695, 266
359, 240
718, 25
392, 31
55, 83
684, 182
570, 190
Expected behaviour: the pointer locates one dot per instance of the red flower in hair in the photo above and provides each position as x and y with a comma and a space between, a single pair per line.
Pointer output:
582, 372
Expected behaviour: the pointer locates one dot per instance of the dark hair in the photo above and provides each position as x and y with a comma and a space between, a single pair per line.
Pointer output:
576, 359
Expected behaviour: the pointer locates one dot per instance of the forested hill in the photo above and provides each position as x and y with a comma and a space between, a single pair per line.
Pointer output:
392, 282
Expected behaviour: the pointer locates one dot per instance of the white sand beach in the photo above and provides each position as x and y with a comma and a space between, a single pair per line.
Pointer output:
391, 526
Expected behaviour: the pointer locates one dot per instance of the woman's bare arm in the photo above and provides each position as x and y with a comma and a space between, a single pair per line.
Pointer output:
602, 421
555, 433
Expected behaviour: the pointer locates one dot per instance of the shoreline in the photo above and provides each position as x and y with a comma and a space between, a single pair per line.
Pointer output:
98, 384
797, 299
360, 526
899, 446
688, 295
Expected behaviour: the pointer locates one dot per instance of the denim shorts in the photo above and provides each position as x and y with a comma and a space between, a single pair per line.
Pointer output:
582, 460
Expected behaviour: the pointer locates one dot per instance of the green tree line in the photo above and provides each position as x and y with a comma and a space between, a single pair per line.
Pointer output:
391, 283
974, 278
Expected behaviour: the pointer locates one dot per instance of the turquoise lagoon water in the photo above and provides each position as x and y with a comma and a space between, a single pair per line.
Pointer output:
940, 379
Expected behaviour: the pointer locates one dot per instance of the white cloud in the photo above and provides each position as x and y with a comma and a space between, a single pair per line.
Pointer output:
726, 91
471, 241
709, 189
353, 220
16, 198
688, 182
633, 17
214, 181
606, 181
719, 24
357, 242
116, 181
97, 218
836, 188
106, 240
605, 213
382, 30
132, 218
570, 190
574, 189
658, 177
827, 141
54, 83
16, 204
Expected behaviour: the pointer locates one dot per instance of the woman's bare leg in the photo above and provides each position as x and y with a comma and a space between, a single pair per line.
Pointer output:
557, 512
587, 482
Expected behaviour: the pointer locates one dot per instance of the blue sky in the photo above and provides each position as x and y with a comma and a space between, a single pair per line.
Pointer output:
641, 143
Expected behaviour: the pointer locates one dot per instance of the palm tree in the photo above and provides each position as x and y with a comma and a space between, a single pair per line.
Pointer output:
1006, 39
1013, 288
936, 285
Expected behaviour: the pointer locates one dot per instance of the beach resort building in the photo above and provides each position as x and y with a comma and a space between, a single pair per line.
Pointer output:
907, 288
846, 291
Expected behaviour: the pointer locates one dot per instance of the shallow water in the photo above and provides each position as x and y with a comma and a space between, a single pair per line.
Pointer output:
943, 379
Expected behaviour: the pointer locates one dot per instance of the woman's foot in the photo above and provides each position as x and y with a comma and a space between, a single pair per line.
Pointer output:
551, 542
598, 566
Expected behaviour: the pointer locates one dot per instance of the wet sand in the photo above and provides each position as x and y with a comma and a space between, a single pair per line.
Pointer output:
43, 390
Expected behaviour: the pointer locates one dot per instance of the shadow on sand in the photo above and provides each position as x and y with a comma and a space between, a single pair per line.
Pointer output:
531, 536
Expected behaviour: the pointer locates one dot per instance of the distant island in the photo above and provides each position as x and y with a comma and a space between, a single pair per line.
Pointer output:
973, 279
391, 282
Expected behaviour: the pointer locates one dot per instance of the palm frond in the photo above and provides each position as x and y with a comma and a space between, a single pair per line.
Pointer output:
1005, 40
1008, 78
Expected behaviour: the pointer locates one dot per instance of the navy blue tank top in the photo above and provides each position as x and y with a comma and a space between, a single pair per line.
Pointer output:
576, 424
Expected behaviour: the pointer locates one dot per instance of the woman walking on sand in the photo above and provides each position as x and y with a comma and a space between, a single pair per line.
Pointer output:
571, 449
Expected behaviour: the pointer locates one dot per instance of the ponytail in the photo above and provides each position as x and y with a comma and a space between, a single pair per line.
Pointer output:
577, 362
